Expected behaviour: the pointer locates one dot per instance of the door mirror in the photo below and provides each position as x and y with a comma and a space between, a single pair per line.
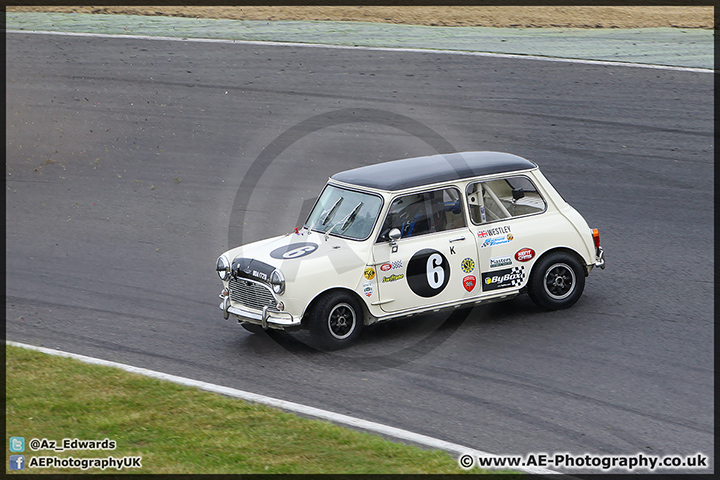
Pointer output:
394, 237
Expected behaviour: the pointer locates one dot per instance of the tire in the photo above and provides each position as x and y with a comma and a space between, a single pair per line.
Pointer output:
557, 281
336, 320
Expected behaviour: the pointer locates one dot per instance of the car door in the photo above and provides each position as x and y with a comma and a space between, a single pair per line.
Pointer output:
434, 260
505, 213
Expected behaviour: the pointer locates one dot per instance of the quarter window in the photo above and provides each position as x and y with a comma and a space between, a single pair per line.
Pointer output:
504, 198
423, 213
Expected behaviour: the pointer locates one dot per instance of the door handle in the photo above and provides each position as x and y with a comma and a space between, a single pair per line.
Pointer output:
459, 239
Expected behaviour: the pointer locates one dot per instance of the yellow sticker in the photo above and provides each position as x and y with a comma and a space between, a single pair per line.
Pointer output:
369, 273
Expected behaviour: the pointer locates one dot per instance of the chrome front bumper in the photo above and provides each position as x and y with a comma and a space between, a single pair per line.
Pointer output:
268, 318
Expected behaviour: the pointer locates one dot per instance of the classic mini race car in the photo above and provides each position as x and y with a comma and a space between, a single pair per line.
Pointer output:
409, 236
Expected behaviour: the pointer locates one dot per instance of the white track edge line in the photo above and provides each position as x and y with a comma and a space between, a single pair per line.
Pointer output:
288, 406
380, 49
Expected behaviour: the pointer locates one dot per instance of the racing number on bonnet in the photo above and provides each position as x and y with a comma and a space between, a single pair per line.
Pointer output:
294, 250
298, 252
428, 272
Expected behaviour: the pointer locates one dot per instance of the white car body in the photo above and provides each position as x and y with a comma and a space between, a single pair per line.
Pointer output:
470, 240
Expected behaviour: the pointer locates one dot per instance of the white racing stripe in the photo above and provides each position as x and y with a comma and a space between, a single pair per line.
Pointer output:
379, 49
336, 418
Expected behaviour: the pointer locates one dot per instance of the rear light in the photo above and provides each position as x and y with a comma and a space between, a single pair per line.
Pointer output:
596, 237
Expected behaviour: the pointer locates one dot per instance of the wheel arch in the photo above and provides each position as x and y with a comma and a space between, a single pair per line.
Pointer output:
329, 291
566, 250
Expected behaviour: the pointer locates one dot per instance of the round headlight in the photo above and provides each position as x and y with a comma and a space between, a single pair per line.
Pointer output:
223, 267
277, 280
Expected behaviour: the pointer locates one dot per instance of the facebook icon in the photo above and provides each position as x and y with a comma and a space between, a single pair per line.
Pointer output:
17, 462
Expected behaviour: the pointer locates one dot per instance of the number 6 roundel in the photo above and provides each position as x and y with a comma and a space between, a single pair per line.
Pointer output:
428, 273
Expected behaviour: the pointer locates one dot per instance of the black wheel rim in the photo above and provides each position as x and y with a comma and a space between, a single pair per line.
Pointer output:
341, 321
559, 281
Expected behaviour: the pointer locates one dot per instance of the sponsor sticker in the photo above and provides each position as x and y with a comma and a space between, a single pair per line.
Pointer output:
509, 277
494, 241
469, 282
393, 278
391, 265
369, 273
494, 232
368, 289
468, 265
524, 254
500, 262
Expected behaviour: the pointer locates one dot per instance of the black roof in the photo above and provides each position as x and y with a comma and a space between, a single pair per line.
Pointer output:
414, 172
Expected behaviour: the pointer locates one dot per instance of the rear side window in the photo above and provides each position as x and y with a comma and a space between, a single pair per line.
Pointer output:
423, 213
502, 199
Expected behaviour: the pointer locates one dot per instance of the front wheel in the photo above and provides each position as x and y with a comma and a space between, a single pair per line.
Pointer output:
557, 281
336, 320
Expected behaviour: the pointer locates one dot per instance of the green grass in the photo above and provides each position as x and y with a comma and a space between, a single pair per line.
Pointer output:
178, 429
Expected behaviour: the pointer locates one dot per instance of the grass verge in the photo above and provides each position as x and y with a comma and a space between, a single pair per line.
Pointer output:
182, 430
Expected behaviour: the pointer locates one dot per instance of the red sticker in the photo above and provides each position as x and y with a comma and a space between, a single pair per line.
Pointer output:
469, 282
525, 254
385, 267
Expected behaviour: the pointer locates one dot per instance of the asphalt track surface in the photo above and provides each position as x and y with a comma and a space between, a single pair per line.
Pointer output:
125, 161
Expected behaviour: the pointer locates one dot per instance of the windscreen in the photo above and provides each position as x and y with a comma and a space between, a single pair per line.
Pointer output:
345, 213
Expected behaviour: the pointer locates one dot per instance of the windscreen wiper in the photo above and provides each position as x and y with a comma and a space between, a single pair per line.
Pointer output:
332, 211
347, 221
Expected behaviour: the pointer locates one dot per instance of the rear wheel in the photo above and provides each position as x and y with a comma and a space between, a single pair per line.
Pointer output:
557, 281
336, 320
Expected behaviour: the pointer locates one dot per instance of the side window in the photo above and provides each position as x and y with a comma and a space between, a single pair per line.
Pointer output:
505, 198
423, 213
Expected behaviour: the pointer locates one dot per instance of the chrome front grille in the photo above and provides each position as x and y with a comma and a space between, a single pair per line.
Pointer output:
250, 294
